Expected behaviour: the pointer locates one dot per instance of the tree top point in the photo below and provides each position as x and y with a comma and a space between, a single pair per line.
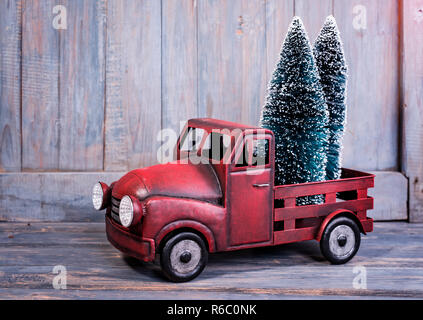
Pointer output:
330, 18
330, 21
297, 20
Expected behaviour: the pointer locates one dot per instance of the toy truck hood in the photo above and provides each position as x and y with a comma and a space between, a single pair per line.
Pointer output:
175, 179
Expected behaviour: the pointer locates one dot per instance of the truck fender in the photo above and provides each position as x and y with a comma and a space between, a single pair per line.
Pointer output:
337, 213
187, 224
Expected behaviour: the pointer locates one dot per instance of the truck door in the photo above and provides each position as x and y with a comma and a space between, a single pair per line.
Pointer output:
250, 192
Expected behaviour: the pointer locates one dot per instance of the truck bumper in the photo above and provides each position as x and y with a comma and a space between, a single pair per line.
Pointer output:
137, 247
367, 225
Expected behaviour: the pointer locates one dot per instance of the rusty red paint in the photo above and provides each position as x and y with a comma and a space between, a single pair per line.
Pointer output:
200, 228
185, 180
337, 213
229, 208
129, 243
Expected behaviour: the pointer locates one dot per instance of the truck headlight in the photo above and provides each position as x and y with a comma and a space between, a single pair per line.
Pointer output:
100, 195
126, 211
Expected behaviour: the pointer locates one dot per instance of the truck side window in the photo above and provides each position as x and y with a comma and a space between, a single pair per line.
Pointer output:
260, 154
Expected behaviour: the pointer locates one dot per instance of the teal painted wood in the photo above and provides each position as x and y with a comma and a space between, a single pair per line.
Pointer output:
40, 87
133, 84
10, 85
371, 138
232, 59
179, 63
412, 105
313, 13
82, 80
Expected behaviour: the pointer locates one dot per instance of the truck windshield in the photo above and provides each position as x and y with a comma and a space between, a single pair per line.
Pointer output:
215, 146
192, 139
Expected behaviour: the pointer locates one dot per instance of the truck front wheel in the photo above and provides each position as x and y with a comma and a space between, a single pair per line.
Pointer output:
183, 257
340, 240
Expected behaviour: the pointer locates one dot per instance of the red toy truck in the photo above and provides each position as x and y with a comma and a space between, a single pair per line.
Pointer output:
219, 195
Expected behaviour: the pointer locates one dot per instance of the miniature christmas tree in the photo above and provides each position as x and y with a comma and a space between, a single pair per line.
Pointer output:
296, 111
330, 60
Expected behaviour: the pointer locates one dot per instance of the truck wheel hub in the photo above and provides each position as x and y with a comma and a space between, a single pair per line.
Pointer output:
185, 257
342, 241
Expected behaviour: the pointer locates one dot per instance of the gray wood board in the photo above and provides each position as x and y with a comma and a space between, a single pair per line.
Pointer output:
94, 96
133, 84
50, 196
412, 107
313, 14
10, 85
371, 138
40, 87
82, 86
29, 253
278, 17
67, 196
232, 59
390, 196
179, 63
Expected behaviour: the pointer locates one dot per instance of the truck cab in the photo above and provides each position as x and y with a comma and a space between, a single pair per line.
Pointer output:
218, 194
242, 158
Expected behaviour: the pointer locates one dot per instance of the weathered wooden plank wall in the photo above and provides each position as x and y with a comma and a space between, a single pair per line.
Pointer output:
10, 85
40, 87
81, 86
133, 83
371, 46
232, 59
314, 14
412, 105
278, 17
43, 196
94, 96
179, 62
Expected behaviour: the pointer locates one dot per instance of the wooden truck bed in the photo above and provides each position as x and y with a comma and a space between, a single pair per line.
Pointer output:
297, 223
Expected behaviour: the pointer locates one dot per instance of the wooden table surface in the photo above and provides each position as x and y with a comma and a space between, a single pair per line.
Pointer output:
392, 257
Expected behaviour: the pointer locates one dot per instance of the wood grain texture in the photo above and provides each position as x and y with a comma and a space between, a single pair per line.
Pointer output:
28, 254
82, 76
50, 196
179, 63
40, 87
278, 17
212, 58
10, 85
390, 196
133, 84
371, 138
313, 13
412, 108
67, 196
232, 59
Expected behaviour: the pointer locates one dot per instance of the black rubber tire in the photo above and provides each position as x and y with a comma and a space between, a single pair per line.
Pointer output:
325, 245
165, 258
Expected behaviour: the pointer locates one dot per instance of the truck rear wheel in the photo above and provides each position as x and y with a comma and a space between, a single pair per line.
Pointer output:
183, 257
340, 240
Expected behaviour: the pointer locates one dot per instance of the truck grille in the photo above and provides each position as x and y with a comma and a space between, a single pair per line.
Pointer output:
115, 209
